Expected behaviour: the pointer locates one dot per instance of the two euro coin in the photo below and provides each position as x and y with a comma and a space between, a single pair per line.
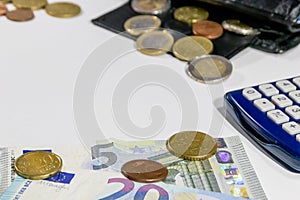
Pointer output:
209, 68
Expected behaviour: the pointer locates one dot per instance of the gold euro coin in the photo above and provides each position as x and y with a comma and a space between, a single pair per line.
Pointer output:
190, 14
141, 23
63, 9
209, 68
38, 165
155, 43
189, 47
32, 4
192, 145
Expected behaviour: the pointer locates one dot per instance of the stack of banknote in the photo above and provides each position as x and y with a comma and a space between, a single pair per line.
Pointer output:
95, 174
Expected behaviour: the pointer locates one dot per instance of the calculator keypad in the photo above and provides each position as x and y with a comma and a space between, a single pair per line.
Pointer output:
251, 94
279, 101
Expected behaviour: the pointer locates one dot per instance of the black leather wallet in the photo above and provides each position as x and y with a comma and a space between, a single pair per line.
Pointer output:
276, 36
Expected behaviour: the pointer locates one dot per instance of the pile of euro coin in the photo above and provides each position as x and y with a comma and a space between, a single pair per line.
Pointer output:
24, 9
187, 145
196, 49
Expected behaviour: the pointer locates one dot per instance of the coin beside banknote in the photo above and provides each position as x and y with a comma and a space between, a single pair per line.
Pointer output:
209, 68
38, 165
144, 171
192, 145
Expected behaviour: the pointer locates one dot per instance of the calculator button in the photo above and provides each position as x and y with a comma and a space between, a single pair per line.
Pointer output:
251, 94
286, 86
298, 137
264, 104
281, 100
291, 127
297, 81
268, 89
278, 116
294, 111
295, 95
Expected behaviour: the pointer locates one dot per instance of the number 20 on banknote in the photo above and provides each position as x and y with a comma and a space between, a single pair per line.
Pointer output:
139, 194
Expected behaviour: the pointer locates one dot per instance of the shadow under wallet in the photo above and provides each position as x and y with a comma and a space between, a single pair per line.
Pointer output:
278, 25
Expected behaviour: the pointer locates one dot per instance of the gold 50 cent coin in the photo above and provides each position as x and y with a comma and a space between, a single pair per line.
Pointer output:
189, 47
38, 165
141, 23
63, 9
32, 4
155, 43
145, 171
209, 68
192, 145
190, 14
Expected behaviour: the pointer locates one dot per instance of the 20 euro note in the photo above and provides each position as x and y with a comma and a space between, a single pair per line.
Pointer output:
102, 185
229, 171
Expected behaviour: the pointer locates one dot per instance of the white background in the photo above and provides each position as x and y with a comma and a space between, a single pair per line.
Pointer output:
41, 59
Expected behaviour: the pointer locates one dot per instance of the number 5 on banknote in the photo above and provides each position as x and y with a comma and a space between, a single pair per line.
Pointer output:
140, 193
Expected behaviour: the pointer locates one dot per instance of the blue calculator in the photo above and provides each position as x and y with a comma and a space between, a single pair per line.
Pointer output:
269, 116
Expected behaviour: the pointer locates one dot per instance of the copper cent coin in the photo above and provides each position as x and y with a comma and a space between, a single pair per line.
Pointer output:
144, 171
3, 9
207, 28
20, 14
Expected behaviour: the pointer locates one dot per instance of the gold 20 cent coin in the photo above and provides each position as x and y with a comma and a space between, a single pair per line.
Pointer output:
38, 165
192, 145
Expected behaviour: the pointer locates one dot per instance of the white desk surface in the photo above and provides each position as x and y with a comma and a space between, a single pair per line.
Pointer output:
41, 60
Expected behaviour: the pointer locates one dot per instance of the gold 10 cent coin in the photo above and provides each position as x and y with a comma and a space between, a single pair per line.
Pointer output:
38, 165
189, 47
190, 14
32, 4
63, 9
141, 23
192, 145
155, 43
